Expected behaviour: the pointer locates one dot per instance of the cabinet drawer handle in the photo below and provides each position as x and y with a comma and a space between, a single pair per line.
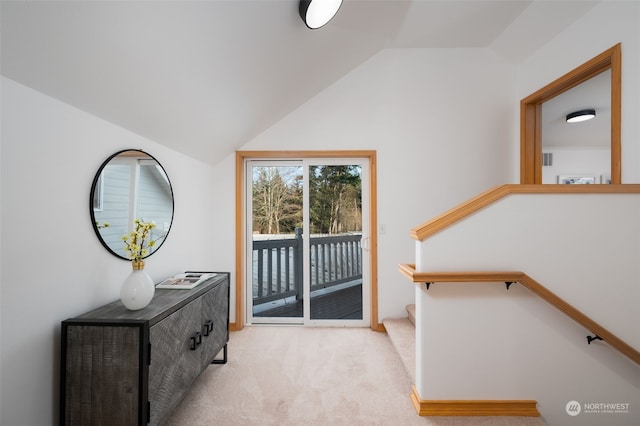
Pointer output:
195, 341
207, 327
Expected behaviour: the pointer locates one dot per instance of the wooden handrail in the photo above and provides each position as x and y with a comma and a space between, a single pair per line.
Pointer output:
481, 201
410, 272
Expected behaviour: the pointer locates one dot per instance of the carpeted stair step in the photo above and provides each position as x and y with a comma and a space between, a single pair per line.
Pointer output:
402, 334
411, 310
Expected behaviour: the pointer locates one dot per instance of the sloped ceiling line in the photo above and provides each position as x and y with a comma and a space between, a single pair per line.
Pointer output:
206, 77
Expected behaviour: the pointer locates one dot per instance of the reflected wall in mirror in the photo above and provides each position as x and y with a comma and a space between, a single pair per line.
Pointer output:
130, 184
578, 148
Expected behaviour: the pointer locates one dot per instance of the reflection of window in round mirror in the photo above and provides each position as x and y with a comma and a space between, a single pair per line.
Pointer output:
130, 185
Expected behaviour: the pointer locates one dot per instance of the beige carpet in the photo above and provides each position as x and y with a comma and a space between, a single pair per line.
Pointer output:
291, 375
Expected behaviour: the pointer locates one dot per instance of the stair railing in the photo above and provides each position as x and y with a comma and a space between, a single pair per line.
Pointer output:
510, 277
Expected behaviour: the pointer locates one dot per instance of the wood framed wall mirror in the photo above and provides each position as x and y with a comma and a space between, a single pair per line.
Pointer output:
603, 67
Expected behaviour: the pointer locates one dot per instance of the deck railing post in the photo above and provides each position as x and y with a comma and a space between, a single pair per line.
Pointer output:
297, 263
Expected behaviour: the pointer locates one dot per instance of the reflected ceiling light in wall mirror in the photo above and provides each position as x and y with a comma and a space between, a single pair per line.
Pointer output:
582, 115
531, 128
316, 13
130, 184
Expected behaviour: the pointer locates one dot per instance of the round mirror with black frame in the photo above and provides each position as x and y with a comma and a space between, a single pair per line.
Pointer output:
131, 185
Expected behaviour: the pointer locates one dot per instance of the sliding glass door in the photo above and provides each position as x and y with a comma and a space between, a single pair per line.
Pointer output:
307, 227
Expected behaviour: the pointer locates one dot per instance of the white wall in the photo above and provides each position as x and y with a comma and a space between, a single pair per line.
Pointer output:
53, 267
608, 23
440, 121
403, 103
577, 162
492, 343
501, 344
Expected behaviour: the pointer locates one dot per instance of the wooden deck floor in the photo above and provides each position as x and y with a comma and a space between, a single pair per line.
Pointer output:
340, 304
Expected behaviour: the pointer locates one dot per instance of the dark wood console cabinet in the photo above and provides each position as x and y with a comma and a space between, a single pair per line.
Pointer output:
121, 367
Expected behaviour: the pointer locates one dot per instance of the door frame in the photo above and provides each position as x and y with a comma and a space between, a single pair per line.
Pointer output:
241, 156
531, 114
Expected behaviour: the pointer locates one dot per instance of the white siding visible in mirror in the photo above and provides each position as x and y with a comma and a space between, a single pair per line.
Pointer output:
154, 202
116, 184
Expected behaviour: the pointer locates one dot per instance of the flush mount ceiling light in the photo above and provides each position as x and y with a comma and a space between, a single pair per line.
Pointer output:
582, 115
316, 13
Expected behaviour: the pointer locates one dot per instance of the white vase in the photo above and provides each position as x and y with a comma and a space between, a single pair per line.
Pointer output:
138, 289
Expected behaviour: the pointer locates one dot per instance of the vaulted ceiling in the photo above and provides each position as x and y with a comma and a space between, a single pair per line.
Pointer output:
205, 77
